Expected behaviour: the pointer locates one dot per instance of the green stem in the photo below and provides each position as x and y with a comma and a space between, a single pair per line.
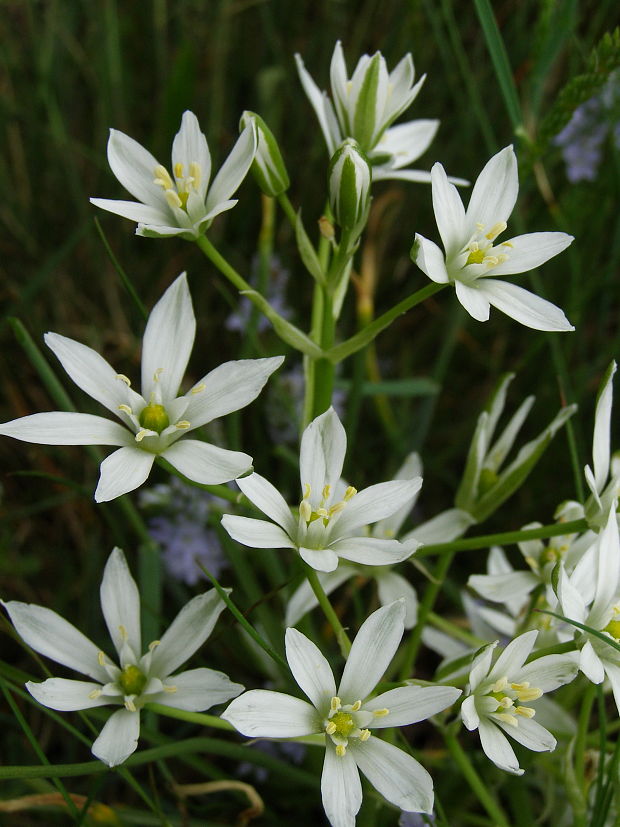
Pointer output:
582, 732
289, 210
475, 782
191, 717
221, 491
364, 337
341, 636
505, 538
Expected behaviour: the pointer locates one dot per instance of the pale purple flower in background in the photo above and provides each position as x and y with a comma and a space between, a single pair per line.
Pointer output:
289, 751
180, 527
582, 139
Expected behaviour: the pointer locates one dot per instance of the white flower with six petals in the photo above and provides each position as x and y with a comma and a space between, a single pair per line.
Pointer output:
347, 718
186, 202
328, 516
473, 254
138, 679
153, 422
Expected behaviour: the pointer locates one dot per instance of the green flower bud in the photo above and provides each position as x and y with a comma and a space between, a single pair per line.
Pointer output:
349, 186
268, 166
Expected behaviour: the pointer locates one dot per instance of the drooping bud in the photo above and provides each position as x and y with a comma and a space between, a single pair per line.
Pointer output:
268, 166
349, 186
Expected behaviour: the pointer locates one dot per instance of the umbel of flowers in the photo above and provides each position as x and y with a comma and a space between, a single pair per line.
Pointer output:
331, 532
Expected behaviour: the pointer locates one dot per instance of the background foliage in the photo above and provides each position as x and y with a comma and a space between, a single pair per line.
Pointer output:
70, 69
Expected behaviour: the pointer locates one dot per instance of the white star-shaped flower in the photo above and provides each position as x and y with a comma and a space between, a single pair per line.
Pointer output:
347, 717
500, 696
473, 253
329, 516
154, 422
138, 678
186, 202
364, 107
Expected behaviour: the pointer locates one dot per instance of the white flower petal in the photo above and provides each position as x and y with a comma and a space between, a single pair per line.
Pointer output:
234, 169
612, 670
531, 250
469, 713
123, 471
310, 669
502, 587
322, 107
370, 551
205, 463
322, 452
495, 192
602, 422
481, 664
341, 789
523, 306
120, 603
133, 210
474, 300
549, 672
190, 147
391, 587
269, 500
134, 166
514, 656
571, 600
164, 231
430, 259
118, 739
406, 142
92, 373
263, 713
187, 632
323, 559
449, 211
66, 695
410, 704
376, 502
531, 734
256, 533
168, 341
51, 635
67, 428
229, 387
304, 599
397, 776
496, 747
197, 690
590, 664
443, 528
372, 650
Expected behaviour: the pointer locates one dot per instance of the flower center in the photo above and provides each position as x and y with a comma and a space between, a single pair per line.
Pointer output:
343, 724
322, 511
481, 249
131, 680
505, 694
347, 721
154, 417
178, 193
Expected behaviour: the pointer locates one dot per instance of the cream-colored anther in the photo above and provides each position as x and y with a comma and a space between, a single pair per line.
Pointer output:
183, 424
326, 491
96, 693
101, 658
196, 174
124, 379
153, 644
500, 685
349, 493
491, 261
507, 244
129, 704
125, 409
330, 728
178, 170
142, 433
380, 713
525, 711
356, 706
508, 719
307, 491
335, 704
364, 734
479, 226
170, 689
162, 177
173, 199
341, 750
157, 374
199, 388
305, 510
496, 230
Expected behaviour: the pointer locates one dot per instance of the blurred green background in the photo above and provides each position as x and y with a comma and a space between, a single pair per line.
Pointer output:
71, 69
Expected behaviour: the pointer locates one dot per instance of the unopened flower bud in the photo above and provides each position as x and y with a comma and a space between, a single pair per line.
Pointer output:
349, 186
268, 166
